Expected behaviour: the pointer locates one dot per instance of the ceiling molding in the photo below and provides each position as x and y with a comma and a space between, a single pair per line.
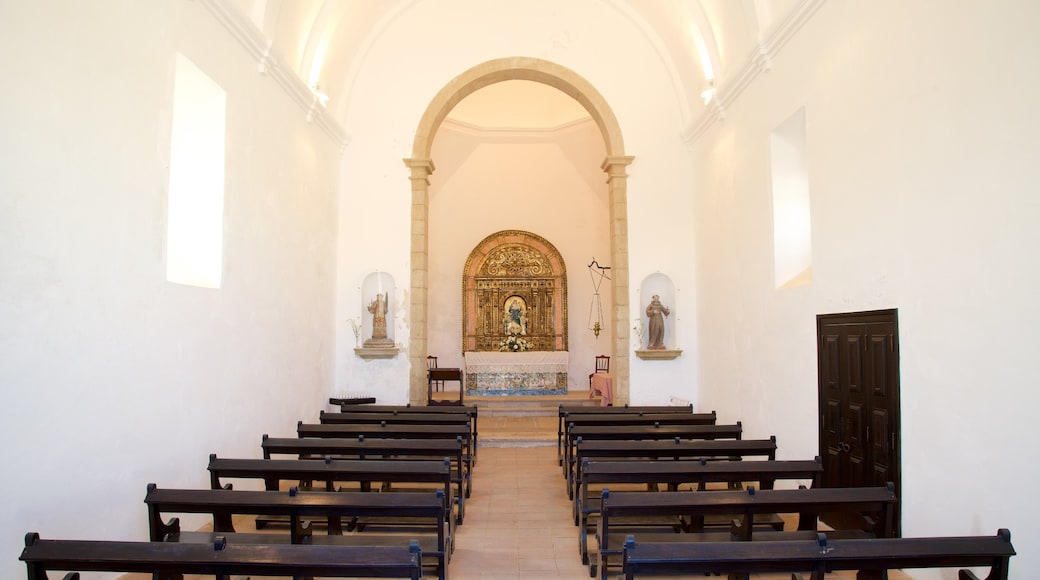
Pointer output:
759, 61
271, 63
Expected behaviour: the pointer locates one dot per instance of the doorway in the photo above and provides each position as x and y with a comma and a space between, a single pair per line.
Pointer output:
858, 355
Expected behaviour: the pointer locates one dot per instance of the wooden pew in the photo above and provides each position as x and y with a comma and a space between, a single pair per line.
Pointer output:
390, 431
472, 411
633, 419
424, 511
348, 401
403, 418
640, 433
821, 555
219, 559
875, 504
676, 449
399, 417
575, 410
274, 471
362, 448
675, 473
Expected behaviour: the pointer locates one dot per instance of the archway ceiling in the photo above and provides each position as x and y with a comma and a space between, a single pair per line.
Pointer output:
325, 40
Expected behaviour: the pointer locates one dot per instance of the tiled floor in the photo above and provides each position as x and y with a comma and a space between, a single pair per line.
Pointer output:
518, 520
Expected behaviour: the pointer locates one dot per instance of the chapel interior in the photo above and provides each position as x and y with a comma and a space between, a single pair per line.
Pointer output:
217, 215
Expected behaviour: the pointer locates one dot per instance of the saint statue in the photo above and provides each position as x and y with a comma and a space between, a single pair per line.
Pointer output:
378, 307
656, 312
516, 317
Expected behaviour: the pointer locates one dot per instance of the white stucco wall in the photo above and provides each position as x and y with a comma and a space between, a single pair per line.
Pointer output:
921, 155
112, 377
400, 78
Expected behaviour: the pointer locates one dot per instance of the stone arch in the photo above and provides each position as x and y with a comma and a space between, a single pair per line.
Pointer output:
421, 166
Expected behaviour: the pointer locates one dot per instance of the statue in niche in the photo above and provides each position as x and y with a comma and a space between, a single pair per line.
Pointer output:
656, 312
515, 316
378, 307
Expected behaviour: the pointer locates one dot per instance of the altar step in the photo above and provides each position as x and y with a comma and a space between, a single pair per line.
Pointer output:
521, 421
524, 405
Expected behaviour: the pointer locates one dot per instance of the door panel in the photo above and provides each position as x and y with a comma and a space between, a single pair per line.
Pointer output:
858, 357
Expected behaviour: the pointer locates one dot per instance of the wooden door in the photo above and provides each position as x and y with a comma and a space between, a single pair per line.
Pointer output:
859, 399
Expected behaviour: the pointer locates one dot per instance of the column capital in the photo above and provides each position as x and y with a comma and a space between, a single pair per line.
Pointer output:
421, 168
614, 166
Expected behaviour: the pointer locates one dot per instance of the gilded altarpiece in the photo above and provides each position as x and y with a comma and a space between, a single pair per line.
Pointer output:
514, 291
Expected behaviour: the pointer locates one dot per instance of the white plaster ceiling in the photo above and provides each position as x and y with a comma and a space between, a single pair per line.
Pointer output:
325, 41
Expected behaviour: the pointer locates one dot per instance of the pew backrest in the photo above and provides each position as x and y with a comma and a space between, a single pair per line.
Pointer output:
579, 434
220, 559
565, 410
821, 555
676, 449
224, 503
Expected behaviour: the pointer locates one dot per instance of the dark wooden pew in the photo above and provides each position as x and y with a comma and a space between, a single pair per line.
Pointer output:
330, 471
472, 411
362, 448
821, 555
389, 431
634, 419
875, 505
641, 433
674, 473
424, 512
219, 559
395, 417
348, 401
676, 449
575, 410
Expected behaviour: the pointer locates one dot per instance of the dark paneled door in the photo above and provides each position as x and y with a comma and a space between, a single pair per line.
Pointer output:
859, 399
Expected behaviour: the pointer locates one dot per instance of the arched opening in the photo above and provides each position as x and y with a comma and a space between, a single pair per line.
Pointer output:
421, 165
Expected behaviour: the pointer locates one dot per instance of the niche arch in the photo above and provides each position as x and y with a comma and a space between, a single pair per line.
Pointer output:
421, 167
514, 282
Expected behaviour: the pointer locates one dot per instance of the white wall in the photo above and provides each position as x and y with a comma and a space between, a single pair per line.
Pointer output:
547, 183
411, 61
921, 135
112, 377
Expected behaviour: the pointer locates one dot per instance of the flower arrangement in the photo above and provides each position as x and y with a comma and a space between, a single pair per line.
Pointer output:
638, 328
514, 343
356, 327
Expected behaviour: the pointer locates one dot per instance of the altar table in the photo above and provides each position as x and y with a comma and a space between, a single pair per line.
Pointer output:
516, 373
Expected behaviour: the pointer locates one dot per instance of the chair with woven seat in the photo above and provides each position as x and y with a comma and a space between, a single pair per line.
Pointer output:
602, 366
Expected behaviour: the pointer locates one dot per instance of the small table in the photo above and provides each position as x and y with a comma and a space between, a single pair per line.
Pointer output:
443, 374
340, 401
603, 383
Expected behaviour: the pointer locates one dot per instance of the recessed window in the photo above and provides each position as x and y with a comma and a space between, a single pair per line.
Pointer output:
195, 218
792, 224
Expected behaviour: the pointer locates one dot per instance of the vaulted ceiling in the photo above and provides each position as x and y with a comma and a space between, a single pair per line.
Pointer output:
703, 42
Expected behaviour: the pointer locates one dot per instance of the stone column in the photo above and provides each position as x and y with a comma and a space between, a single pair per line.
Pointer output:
617, 182
421, 169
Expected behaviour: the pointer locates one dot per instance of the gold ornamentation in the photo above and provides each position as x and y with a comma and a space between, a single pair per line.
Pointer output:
516, 260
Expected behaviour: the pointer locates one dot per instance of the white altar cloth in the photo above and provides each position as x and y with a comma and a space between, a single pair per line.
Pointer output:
517, 373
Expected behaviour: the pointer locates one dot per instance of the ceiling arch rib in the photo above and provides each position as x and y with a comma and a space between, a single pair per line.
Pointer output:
318, 36
669, 48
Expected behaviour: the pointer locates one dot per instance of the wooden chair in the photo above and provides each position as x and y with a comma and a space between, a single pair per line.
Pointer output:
431, 363
602, 366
